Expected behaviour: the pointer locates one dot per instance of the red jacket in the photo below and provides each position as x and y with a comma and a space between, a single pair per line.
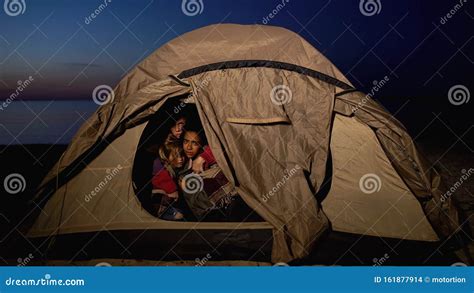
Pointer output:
208, 157
163, 180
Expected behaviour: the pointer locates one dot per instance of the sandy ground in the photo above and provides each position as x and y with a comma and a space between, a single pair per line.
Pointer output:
452, 162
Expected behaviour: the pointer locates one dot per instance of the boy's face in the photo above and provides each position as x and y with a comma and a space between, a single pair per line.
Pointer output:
191, 144
178, 129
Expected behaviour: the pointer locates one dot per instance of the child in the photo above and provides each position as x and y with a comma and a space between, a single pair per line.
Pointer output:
215, 193
177, 129
172, 156
197, 151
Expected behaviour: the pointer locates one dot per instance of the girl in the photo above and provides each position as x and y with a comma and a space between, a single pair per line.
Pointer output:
172, 156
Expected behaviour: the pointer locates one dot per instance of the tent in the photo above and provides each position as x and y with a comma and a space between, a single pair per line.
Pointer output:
303, 148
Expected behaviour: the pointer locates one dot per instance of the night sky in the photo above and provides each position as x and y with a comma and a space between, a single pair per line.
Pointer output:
407, 41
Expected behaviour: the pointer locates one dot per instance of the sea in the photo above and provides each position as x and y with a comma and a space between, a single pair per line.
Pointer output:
42, 122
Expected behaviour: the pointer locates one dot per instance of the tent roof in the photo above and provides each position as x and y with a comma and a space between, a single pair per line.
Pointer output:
226, 42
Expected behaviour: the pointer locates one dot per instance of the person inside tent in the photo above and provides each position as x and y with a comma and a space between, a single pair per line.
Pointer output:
172, 155
166, 166
175, 133
205, 188
200, 157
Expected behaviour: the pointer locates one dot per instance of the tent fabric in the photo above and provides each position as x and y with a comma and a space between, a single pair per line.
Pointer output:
225, 42
422, 178
393, 210
108, 123
275, 154
271, 150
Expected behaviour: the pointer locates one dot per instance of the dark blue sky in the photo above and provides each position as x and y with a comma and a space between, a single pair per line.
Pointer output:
406, 41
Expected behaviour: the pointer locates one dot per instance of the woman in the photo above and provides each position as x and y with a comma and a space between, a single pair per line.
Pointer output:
205, 188
200, 157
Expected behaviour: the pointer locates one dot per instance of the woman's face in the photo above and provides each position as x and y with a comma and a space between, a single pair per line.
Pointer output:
178, 129
191, 144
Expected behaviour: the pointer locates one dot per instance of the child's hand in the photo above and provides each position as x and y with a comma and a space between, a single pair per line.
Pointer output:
173, 195
182, 184
198, 165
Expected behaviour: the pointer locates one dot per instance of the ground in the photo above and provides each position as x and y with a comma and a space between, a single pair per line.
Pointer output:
33, 161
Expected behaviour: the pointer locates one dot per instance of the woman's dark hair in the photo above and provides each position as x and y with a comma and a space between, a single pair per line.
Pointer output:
194, 124
163, 123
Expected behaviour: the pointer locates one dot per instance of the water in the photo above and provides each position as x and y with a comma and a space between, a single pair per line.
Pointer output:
43, 122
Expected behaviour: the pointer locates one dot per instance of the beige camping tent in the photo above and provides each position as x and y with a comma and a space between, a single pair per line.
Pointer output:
275, 112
